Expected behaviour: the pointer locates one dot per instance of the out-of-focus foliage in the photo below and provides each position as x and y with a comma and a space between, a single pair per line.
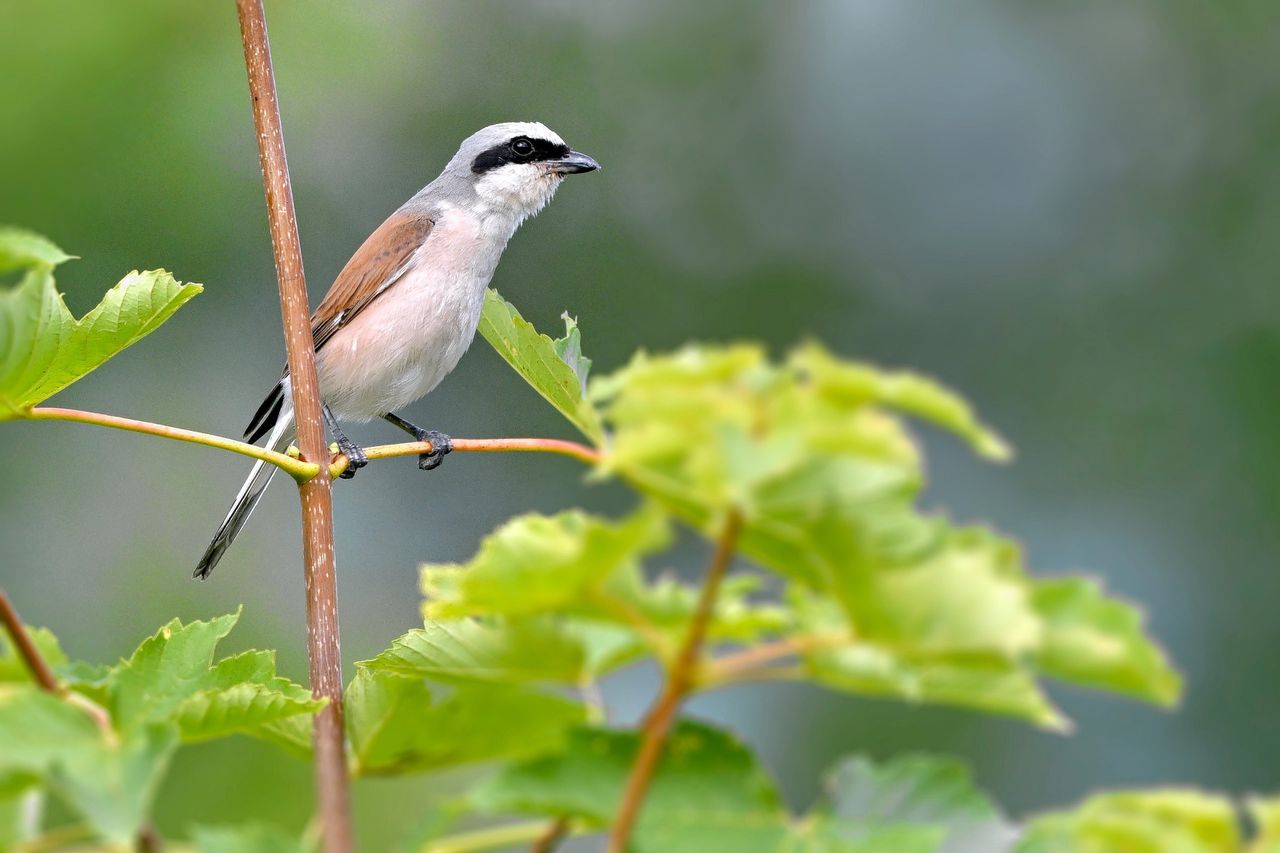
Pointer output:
881, 598
104, 746
43, 348
1139, 821
711, 793
247, 839
397, 725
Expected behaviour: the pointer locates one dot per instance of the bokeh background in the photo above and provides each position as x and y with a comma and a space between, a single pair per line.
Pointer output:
1070, 211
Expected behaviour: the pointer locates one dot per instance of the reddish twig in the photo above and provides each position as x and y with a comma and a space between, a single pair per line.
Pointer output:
581, 452
681, 678
551, 838
731, 667
26, 647
333, 796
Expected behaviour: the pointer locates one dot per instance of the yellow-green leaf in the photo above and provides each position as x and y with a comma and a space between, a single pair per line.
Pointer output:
556, 369
43, 348
22, 249
1160, 821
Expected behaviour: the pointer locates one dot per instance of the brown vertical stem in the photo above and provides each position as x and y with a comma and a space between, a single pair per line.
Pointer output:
26, 647
680, 680
333, 797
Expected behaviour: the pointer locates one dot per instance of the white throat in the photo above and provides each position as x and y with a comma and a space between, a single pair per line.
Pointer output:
516, 191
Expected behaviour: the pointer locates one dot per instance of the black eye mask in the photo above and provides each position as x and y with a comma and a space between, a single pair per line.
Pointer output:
500, 155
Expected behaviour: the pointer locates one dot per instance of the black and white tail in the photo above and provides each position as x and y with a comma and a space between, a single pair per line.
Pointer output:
274, 419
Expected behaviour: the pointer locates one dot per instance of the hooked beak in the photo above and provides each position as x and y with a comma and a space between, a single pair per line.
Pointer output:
574, 163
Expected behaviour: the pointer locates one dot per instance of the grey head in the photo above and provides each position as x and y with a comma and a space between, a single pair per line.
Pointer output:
512, 168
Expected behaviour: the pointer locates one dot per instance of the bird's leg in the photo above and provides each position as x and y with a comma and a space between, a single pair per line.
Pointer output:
441, 444
356, 458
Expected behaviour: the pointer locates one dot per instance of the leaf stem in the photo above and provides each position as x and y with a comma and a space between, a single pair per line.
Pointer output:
323, 649
43, 675
681, 679
26, 647
552, 834
296, 468
731, 667
489, 838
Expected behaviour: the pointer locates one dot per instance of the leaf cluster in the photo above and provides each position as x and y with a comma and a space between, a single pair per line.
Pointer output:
103, 743
842, 579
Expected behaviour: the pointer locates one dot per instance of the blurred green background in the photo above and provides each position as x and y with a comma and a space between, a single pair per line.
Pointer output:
1069, 211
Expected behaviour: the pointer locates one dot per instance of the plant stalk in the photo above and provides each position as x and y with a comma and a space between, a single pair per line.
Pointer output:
299, 470
489, 838
681, 679
26, 647
332, 793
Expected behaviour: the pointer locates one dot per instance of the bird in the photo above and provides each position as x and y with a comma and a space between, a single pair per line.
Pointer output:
405, 308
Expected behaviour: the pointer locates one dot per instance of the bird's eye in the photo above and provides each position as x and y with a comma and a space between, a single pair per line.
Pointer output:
522, 147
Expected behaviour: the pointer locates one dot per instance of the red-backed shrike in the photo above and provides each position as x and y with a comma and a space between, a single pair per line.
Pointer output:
405, 307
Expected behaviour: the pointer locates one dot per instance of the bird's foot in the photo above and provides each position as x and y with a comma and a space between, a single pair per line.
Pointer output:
356, 457
441, 446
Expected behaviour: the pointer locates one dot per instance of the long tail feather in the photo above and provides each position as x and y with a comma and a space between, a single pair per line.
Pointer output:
247, 500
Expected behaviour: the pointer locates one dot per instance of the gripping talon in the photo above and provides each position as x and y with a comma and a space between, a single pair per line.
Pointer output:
356, 458
441, 446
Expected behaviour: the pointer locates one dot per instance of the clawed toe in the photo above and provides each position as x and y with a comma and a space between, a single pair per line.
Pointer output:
356, 458
441, 446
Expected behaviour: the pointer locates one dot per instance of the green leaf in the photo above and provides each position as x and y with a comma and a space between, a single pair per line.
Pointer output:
555, 369
848, 383
469, 650
43, 348
708, 792
241, 709
1162, 821
171, 677
12, 666
667, 606
564, 598
22, 249
952, 624
534, 563
569, 348
398, 726
254, 838
934, 795
108, 778
1098, 642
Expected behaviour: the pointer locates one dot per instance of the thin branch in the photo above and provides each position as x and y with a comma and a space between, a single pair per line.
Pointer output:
679, 682
581, 452
793, 672
551, 836
296, 468
44, 678
304, 471
26, 647
489, 838
730, 667
43, 675
324, 653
